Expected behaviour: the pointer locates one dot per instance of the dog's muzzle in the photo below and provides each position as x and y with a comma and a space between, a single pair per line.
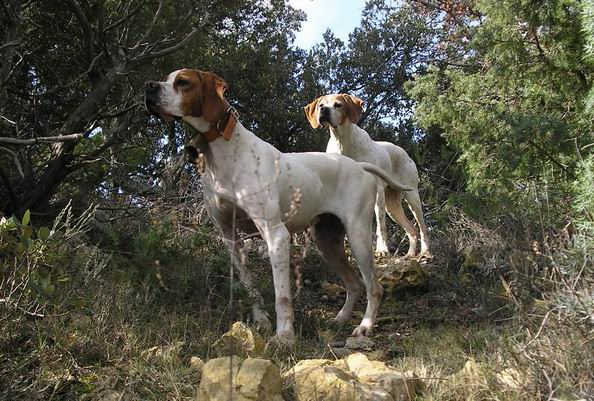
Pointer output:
151, 97
324, 115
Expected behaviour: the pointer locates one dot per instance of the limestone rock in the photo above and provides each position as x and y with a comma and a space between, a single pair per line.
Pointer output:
352, 379
399, 385
259, 379
240, 380
401, 273
321, 379
241, 341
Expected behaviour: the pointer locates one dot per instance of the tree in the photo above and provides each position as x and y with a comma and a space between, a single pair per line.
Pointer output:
510, 99
72, 122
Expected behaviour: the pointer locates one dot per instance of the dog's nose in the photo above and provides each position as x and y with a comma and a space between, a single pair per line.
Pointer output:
151, 86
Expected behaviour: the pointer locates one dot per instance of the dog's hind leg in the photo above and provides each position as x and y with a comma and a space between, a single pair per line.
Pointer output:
394, 207
328, 235
416, 207
381, 247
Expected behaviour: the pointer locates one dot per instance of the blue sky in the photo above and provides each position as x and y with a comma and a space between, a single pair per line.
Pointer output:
341, 16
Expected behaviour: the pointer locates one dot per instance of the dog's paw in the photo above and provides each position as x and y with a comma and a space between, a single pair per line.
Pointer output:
381, 255
382, 250
363, 330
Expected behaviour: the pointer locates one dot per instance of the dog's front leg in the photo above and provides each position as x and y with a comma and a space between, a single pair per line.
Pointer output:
236, 248
277, 238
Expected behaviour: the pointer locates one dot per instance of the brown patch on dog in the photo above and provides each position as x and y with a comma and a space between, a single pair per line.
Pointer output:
201, 92
354, 108
311, 112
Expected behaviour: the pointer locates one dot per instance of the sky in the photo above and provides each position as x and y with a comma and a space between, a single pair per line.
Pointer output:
341, 16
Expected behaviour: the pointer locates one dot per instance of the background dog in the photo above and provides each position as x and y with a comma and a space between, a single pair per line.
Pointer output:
340, 113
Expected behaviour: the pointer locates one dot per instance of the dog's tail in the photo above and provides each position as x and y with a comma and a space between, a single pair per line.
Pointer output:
381, 173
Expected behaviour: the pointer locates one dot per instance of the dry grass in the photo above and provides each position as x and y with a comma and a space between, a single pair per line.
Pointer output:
169, 289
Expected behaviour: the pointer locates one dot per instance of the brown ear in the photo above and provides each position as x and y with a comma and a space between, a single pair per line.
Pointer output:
311, 112
213, 95
354, 107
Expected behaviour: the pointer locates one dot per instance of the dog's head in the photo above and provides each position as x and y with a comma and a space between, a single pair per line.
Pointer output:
334, 110
191, 95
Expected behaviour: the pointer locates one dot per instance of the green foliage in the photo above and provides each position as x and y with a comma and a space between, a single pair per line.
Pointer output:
588, 30
30, 266
513, 107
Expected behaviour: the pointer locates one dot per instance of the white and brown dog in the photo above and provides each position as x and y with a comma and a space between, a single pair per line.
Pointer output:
250, 185
341, 113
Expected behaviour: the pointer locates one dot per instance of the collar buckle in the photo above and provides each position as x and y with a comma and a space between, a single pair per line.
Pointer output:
232, 112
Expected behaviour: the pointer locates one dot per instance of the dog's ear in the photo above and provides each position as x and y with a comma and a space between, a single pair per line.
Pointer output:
213, 95
311, 112
354, 107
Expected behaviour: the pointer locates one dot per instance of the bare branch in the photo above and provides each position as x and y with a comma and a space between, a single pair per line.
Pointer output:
179, 45
43, 139
124, 18
152, 25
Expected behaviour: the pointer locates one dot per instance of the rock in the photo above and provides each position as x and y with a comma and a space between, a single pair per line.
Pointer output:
259, 380
321, 379
231, 378
217, 376
241, 341
401, 386
359, 343
401, 273
163, 352
352, 379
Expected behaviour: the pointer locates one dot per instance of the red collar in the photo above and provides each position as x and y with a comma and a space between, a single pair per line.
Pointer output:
228, 122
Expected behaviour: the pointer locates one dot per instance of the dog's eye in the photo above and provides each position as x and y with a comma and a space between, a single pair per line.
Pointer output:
338, 105
183, 82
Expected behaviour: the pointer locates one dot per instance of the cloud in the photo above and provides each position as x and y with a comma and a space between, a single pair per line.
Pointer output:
340, 16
